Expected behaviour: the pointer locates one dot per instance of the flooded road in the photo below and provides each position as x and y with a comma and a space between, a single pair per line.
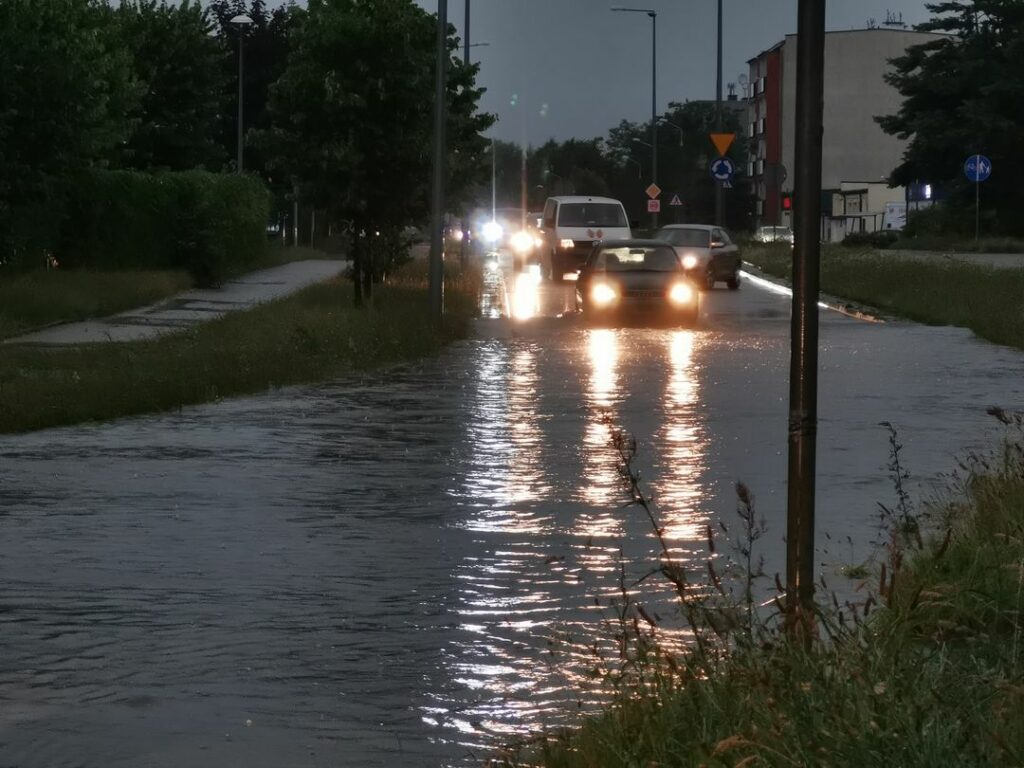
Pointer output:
368, 572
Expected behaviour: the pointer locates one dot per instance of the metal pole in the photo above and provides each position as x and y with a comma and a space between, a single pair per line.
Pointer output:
977, 198
654, 108
494, 180
465, 34
437, 199
803, 372
719, 127
241, 56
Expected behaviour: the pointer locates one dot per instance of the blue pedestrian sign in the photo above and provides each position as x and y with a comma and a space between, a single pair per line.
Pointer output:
722, 170
977, 168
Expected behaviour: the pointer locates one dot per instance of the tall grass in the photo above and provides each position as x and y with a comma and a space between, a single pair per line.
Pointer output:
984, 299
33, 299
924, 669
314, 335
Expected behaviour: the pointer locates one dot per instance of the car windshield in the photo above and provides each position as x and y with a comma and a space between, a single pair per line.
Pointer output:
695, 238
649, 258
591, 215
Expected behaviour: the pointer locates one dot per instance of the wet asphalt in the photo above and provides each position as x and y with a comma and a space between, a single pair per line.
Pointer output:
373, 571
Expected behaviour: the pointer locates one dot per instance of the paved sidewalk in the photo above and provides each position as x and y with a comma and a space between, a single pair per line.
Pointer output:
189, 308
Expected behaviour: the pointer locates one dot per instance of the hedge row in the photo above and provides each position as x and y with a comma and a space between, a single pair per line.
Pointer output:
195, 220
192, 220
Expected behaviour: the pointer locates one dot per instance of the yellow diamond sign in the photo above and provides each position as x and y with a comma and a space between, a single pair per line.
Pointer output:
653, 191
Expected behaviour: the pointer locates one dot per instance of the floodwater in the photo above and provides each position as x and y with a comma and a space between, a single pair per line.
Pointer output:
383, 570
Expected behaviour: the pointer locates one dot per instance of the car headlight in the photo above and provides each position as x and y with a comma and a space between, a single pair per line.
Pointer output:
493, 231
603, 294
457, 235
689, 261
680, 293
537, 242
521, 242
565, 243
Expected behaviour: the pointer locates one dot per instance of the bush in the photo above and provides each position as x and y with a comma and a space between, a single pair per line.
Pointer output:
193, 220
939, 219
882, 239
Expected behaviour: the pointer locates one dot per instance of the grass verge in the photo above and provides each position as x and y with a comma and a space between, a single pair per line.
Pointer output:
984, 299
313, 335
926, 670
33, 299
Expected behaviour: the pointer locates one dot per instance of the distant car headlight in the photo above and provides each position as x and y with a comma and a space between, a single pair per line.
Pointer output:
689, 261
603, 295
680, 293
493, 231
457, 235
565, 243
521, 242
538, 242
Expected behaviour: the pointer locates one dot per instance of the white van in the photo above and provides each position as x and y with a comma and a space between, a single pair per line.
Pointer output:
571, 226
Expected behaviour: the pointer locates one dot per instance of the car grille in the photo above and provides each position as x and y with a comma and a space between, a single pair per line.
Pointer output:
644, 294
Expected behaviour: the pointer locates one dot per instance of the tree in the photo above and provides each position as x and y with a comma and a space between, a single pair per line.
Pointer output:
964, 94
180, 67
65, 100
352, 114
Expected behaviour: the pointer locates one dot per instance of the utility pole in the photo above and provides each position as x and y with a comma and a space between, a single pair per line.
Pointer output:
465, 35
719, 124
803, 370
438, 185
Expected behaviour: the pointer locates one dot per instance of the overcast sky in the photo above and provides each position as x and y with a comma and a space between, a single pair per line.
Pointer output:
578, 68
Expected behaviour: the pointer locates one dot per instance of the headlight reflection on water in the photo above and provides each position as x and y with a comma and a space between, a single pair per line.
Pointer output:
525, 296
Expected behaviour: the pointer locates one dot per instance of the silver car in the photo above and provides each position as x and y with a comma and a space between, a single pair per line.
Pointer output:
707, 253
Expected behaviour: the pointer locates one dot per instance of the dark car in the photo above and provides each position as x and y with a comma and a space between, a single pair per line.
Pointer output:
636, 279
707, 253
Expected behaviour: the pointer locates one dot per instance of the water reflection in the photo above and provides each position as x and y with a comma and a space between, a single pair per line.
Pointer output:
601, 486
678, 491
506, 470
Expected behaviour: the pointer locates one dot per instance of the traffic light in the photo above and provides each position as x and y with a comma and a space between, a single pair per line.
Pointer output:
787, 202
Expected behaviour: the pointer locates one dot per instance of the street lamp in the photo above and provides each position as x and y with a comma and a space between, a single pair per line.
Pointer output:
241, 22
666, 121
654, 94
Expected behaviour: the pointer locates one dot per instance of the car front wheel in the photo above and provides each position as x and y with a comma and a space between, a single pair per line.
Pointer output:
733, 282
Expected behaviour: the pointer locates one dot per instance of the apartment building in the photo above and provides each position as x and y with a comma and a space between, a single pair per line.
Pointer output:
855, 151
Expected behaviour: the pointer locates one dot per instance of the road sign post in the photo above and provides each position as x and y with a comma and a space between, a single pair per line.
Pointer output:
977, 168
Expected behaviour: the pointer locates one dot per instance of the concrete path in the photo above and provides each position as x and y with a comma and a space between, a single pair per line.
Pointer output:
189, 308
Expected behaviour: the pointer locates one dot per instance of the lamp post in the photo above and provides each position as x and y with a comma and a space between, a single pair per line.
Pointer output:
436, 269
654, 95
465, 36
241, 22
666, 121
639, 168
719, 127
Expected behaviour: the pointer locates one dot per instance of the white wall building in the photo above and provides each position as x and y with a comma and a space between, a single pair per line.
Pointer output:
855, 151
